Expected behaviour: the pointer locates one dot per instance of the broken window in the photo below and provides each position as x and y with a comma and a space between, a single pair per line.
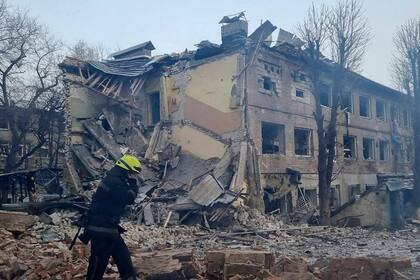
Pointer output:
380, 110
4, 124
368, 150
154, 107
273, 138
21, 151
300, 93
302, 141
349, 147
383, 150
268, 84
395, 114
405, 118
408, 153
398, 152
364, 106
335, 197
355, 190
325, 95
4, 149
347, 102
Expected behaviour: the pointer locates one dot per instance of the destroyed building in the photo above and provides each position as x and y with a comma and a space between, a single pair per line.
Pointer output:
235, 117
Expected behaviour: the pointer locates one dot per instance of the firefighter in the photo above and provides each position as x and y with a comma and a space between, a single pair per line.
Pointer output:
118, 189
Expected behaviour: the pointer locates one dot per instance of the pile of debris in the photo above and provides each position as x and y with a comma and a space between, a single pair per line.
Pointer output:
177, 186
36, 247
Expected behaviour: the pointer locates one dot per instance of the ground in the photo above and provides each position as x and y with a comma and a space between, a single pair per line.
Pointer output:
41, 252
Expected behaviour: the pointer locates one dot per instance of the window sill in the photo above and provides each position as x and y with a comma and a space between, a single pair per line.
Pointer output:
303, 156
273, 155
301, 100
267, 92
350, 159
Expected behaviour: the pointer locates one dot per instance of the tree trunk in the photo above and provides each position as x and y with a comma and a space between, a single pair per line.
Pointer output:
12, 156
416, 169
323, 185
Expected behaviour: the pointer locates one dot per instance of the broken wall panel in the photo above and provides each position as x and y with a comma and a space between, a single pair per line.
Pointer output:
84, 104
197, 142
204, 95
106, 140
371, 209
91, 165
206, 192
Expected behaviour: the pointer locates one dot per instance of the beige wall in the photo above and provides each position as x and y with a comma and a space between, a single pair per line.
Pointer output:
84, 104
203, 95
196, 142
373, 209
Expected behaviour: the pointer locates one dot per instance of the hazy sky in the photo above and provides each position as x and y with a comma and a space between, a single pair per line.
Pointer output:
173, 25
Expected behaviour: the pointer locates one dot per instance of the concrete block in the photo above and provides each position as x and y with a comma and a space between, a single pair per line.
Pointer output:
241, 269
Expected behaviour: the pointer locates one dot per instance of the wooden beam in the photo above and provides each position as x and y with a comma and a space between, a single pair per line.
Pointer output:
94, 82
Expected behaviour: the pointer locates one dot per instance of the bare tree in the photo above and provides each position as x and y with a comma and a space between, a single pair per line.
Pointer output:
406, 74
343, 28
82, 50
314, 33
29, 80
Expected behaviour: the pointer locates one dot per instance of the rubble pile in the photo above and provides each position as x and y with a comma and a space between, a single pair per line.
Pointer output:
176, 186
36, 247
29, 257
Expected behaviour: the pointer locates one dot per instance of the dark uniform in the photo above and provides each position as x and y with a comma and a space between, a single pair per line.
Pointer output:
116, 191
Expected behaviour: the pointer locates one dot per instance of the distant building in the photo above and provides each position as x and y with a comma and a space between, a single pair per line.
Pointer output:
48, 154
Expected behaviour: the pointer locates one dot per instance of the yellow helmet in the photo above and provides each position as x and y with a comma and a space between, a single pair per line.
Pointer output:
129, 163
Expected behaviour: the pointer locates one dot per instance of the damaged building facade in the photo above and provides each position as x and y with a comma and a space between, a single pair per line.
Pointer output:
233, 119
49, 154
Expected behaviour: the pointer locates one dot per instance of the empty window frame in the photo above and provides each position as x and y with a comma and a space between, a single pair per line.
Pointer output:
383, 150
364, 106
21, 151
380, 110
408, 154
398, 152
405, 118
347, 102
300, 93
325, 95
349, 147
273, 138
154, 107
267, 84
368, 149
302, 141
4, 149
355, 190
395, 114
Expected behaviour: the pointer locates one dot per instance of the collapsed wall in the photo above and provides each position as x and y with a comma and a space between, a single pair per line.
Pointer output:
181, 115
